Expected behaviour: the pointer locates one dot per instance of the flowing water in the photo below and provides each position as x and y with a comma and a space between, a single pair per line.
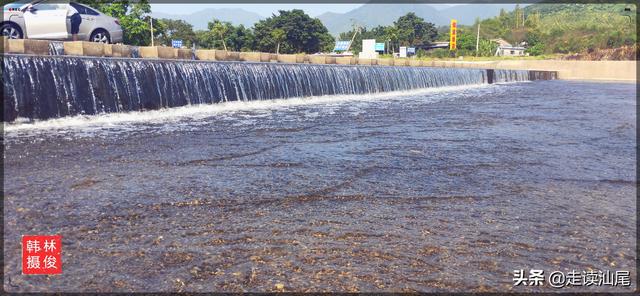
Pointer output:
56, 48
35, 87
437, 189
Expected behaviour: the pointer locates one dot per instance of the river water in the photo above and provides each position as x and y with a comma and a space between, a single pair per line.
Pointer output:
447, 189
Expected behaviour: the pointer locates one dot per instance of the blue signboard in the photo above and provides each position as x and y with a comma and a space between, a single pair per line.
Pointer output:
341, 45
176, 43
411, 50
379, 47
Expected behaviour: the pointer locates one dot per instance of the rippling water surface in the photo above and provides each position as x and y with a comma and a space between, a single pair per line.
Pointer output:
436, 190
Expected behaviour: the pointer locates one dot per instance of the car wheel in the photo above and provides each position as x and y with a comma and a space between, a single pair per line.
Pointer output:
12, 31
100, 36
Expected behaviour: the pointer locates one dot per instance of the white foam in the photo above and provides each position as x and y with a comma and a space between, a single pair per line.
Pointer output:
195, 113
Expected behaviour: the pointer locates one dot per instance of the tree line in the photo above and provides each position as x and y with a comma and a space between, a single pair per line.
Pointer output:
544, 28
290, 31
563, 28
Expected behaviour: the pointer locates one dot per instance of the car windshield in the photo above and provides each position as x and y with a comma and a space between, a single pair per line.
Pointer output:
17, 4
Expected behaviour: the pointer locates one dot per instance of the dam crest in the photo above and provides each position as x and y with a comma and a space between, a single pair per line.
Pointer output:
43, 87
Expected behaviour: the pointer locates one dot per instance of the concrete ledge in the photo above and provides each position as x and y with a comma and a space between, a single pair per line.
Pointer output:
578, 70
317, 59
233, 56
5, 43
330, 60
624, 71
148, 52
368, 62
250, 56
300, 58
108, 50
441, 64
120, 50
37, 47
84, 48
385, 62
167, 52
14, 46
206, 54
220, 55
265, 57
346, 61
184, 54
415, 63
255, 56
401, 62
286, 58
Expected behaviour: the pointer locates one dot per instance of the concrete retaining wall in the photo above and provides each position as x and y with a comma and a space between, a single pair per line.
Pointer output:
148, 52
37, 47
317, 59
369, 62
119, 50
385, 62
286, 58
250, 56
220, 55
570, 70
184, 54
84, 48
233, 56
623, 71
14, 46
167, 52
415, 63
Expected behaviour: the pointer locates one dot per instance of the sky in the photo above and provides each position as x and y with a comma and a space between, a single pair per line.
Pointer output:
261, 9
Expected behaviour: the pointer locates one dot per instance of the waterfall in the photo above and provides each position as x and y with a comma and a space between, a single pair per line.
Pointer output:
135, 52
510, 75
41, 87
56, 48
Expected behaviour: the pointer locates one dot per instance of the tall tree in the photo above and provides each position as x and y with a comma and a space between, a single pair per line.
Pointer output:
413, 30
220, 30
392, 34
221, 35
177, 29
303, 33
278, 36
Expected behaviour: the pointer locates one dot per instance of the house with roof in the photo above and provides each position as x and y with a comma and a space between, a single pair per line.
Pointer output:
506, 49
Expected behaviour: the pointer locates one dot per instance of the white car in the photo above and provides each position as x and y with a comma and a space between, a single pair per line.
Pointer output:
48, 20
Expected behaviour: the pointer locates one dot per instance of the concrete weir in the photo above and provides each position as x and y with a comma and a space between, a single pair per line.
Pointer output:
73, 85
623, 71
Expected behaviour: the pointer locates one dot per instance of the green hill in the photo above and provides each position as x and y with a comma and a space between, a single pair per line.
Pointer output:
566, 28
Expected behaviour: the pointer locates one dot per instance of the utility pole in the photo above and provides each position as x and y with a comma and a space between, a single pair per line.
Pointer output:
151, 21
356, 30
478, 40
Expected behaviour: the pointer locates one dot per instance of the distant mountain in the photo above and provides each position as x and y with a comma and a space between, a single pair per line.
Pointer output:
200, 19
371, 15
467, 14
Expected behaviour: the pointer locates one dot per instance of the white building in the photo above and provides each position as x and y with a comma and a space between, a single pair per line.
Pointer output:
505, 49
368, 49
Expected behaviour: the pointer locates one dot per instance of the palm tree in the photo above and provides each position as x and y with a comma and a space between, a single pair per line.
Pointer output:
278, 36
